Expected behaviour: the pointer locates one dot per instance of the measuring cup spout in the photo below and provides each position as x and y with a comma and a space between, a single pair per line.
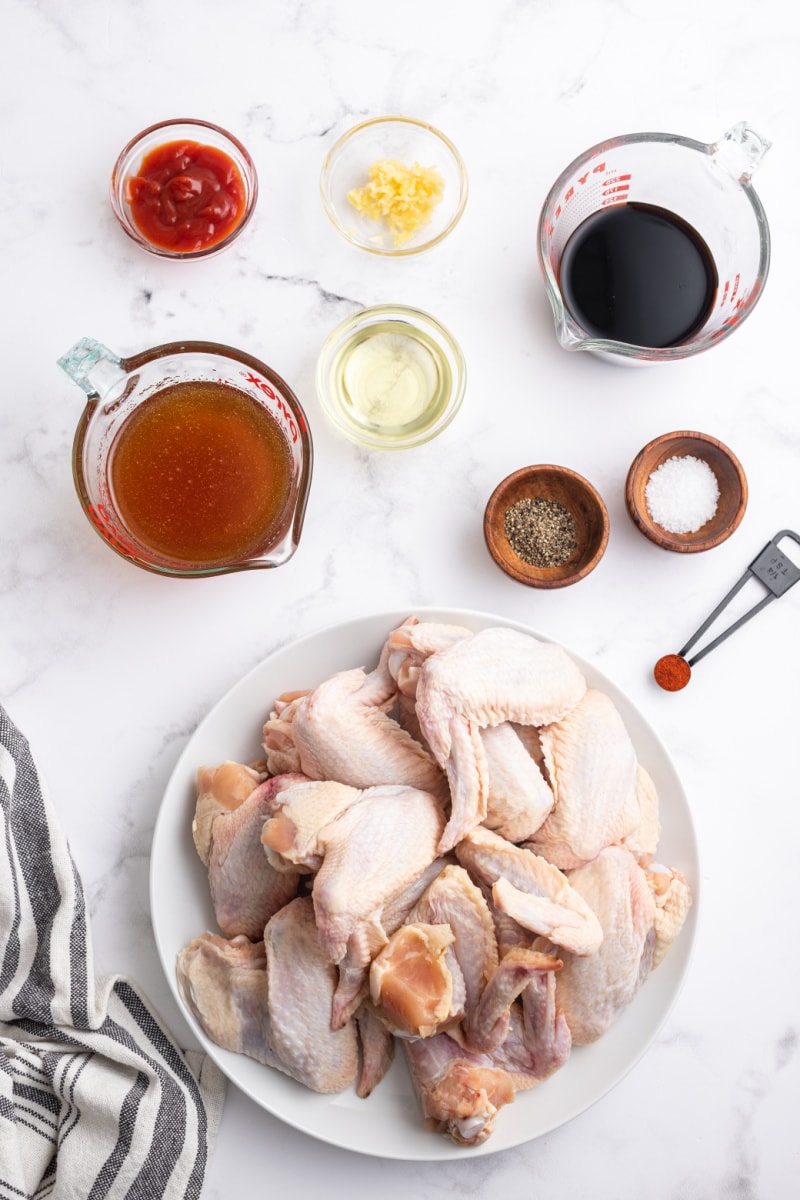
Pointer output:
566, 333
92, 366
739, 151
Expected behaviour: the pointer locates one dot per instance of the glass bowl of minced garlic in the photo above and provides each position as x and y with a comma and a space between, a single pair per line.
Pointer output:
394, 186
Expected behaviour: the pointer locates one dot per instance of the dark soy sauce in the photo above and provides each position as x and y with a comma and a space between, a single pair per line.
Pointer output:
638, 274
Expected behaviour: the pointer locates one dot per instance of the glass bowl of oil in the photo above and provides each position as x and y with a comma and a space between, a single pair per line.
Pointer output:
391, 377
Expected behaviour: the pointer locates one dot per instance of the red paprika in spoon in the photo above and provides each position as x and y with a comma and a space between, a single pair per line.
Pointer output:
672, 672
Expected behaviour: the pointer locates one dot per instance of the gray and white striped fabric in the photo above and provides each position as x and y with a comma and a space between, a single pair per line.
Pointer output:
96, 1099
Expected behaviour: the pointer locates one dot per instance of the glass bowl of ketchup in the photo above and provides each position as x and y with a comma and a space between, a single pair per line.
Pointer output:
184, 188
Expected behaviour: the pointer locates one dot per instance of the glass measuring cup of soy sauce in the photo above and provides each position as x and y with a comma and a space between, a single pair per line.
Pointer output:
191, 458
655, 247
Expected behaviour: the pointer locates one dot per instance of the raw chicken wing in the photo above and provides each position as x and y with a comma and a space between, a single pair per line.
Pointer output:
673, 899
461, 1092
531, 891
592, 767
538, 1040
246, 890
377, 1050
282, 754
342, 732
592, 992
454, 900
489, 1024
290, 837
643, 838
518, 800
371, 853
271, 1001
495, 676
353, 983
220, 790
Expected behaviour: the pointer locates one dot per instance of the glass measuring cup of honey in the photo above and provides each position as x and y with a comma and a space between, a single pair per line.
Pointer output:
655, 247
191, 458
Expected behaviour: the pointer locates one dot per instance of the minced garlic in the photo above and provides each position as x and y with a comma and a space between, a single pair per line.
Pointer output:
404, 196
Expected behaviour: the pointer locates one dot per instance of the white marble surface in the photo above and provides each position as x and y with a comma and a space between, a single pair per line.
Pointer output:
108, 669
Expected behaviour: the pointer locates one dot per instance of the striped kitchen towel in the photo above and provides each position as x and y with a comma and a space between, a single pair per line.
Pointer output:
96, 1099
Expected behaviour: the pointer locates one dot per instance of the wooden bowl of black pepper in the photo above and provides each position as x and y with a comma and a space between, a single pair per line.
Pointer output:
546, 526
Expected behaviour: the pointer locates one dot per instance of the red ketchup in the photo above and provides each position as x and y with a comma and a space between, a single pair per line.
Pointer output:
186, 196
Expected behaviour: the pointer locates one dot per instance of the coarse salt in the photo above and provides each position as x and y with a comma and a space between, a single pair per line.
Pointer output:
682, 494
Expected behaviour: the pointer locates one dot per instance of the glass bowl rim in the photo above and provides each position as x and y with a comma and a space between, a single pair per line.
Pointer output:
346, 328
119, 174
341, 142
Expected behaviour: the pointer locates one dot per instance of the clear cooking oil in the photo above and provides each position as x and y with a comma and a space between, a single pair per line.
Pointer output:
392, 379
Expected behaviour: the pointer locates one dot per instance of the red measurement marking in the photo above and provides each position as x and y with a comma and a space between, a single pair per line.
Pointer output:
273, 395
103, 522
287, 416
571, 193
260, 384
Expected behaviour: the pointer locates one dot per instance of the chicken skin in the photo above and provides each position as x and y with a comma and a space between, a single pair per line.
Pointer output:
246, 890
592, 768
341, 731
290, 836
452, 899
642, 839
371, 853
519, 799
531, 890
495, 676
271, 1000
673, 899
593, 991
219, 790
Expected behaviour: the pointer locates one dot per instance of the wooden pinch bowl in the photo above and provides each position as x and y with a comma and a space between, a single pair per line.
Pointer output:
577, 495
731, 481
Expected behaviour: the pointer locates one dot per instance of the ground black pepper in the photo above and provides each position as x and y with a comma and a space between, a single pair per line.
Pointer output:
540, 532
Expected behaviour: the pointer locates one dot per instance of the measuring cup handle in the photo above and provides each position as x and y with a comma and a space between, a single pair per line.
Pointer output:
92, 366
739, 151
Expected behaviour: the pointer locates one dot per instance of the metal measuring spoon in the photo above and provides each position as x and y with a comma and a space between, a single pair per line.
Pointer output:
774, 569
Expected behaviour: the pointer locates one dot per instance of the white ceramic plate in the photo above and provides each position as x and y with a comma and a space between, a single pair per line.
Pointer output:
389, 1124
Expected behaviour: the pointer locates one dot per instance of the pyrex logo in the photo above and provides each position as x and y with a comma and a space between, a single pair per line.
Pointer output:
571, 192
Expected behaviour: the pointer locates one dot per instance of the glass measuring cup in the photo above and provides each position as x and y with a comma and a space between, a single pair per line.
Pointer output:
116, 388
707, 186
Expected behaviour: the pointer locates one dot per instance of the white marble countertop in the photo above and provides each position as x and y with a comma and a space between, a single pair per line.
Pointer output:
108, 669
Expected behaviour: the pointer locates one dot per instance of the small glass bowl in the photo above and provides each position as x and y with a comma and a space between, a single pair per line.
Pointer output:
180, 129
413, 348
405, 140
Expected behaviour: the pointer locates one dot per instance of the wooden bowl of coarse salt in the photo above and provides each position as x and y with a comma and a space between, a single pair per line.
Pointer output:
686, 491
